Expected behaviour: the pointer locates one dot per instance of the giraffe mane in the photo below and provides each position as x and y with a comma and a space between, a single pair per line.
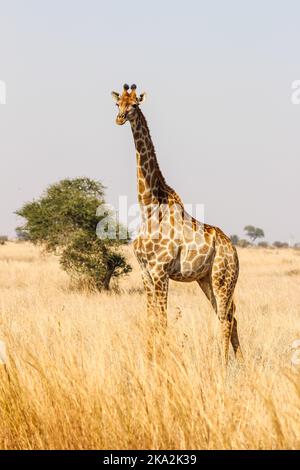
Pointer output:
170, 191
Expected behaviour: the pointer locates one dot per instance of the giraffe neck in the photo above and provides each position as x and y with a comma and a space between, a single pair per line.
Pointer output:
152, 188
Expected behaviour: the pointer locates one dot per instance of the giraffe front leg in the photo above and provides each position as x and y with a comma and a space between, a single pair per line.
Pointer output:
156, 287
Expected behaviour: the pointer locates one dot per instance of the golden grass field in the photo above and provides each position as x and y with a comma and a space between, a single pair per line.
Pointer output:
78, 377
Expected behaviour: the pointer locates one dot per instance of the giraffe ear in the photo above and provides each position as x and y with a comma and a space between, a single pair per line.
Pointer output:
115, 95
142, 97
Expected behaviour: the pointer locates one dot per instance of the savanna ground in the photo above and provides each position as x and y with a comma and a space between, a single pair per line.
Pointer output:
78, 378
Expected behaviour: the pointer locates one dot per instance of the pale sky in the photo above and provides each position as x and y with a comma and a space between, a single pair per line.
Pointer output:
218, 76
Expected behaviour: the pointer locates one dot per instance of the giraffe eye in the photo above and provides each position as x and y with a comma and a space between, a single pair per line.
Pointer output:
134, 105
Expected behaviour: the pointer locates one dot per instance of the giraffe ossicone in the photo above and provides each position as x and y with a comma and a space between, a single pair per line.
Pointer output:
172, 244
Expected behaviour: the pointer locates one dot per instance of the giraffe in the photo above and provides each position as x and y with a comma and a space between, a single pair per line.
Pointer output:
171, 244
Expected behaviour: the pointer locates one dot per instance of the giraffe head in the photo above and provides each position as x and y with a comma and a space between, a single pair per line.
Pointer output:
127, 103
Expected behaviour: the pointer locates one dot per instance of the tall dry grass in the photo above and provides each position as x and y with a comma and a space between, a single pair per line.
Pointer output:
78, 376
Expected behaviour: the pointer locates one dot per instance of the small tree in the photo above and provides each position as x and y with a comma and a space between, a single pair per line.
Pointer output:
254, 232
64, 220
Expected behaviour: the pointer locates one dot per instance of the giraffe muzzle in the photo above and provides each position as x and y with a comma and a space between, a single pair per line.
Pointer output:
121, 119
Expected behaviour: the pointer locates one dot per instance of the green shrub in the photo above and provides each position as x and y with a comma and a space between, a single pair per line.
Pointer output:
3, 239
263, 244
242, 243
90, 260
278, 244
64, 220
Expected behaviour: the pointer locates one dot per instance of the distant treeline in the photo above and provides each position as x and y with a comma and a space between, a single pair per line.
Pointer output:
255, 233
